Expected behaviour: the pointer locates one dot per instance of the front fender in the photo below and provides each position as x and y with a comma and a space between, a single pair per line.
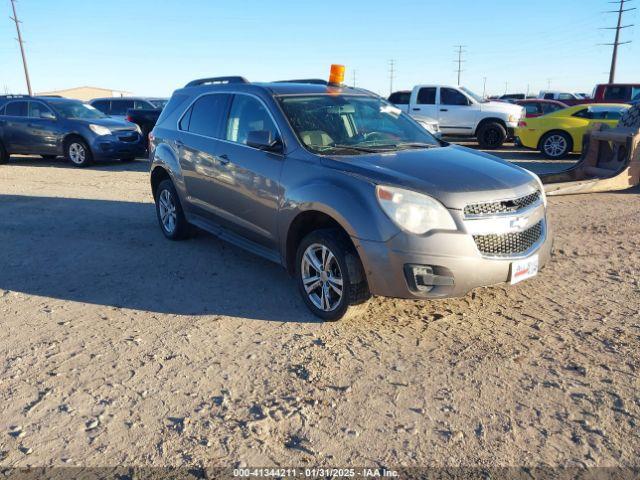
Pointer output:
350, 201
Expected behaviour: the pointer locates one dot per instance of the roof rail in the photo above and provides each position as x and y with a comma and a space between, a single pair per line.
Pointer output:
312, 81
216, 80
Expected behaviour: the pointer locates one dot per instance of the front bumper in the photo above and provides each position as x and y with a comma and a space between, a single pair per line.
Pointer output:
118, 146
450, 255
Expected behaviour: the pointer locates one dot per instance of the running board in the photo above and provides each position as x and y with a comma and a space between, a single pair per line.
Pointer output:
234, 239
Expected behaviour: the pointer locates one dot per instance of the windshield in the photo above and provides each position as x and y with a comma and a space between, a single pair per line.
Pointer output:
78, 110
473, 95
352, 124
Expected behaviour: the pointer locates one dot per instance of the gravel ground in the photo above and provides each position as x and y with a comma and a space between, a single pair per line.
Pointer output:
121, 348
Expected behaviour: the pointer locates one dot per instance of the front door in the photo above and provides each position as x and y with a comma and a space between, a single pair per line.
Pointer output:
248, 187
425, 103
43, 129
455, 113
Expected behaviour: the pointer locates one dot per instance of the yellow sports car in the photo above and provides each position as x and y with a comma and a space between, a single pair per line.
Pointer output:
560, 133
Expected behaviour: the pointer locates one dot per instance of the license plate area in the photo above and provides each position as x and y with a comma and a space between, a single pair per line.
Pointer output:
524, 269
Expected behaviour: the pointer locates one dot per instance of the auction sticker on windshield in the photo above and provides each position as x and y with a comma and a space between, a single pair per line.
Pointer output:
524, 269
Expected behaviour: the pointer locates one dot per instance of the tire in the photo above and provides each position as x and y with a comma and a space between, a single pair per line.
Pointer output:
169, 211
78, 153
49, 157
343, 265
491, 135
556, 145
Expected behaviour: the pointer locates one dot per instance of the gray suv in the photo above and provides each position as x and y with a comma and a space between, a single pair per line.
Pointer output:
345, 191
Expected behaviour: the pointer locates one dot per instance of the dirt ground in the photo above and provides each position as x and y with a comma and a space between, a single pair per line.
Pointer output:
122, 348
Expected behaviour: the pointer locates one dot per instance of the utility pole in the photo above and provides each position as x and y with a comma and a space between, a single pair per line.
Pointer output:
460, 61
506, 87
617, 42
354, 79
484, 87
24, 57
392, 64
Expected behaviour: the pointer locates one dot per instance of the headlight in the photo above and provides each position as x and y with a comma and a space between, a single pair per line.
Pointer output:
100, 130
412, 211
540, 184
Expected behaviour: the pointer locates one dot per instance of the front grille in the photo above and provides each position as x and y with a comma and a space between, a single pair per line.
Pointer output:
505, 206
129, 137
509, 244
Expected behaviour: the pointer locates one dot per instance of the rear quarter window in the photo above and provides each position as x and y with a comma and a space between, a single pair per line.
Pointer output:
173, 108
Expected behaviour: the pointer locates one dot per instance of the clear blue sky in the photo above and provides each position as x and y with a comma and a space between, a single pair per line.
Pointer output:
151, 47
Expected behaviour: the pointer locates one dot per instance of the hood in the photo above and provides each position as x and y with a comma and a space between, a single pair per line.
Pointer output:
109, 122
456, 176
504, 107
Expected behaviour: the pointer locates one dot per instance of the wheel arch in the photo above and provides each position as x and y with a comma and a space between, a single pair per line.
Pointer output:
302, 225
158, 175
484, 121
557, 130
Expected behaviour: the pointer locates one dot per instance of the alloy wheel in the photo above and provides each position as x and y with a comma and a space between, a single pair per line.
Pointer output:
167, 209
77, 153
322, 278
555, 145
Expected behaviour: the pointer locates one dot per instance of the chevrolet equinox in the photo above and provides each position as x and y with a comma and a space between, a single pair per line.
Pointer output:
349, 194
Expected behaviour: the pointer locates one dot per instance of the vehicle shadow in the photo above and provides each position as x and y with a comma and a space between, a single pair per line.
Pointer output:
113, 253
139, 165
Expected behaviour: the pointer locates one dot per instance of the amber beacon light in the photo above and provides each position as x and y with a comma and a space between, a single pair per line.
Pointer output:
337, 75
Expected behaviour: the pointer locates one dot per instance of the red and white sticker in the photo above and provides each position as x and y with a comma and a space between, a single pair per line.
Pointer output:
524, 269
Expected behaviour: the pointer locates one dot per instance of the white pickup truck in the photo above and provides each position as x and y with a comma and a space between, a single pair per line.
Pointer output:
460, 112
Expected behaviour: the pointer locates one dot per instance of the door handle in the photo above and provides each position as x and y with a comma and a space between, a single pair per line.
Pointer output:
444, 110
223, 159
416, 109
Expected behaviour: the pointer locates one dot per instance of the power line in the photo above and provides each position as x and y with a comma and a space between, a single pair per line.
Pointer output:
392, 64
24, 57
616, 43
460, 61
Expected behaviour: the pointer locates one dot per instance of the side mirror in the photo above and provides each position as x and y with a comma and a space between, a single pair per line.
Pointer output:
262, 140
47, 116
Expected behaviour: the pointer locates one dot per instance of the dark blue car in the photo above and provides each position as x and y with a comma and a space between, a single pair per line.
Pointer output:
52, 127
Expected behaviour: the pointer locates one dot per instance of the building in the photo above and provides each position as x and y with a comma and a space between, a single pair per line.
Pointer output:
86, 93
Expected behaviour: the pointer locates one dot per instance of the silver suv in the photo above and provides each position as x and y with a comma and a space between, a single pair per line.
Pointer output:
345, 191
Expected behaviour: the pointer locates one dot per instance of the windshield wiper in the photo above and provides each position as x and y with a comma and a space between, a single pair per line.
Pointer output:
354, 148
411, 145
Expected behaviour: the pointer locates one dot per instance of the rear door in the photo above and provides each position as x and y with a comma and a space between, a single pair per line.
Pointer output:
455, 113
15, 127
247, 186
200, 129
425, 103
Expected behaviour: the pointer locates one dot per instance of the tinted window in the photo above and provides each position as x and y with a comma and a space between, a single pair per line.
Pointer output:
427, 96
102, 105
36, 109
550, 108
449, 96
16, 109
143, 105
248, 114
617, 93
120, 107
184, 121
400, 98
565, 96
206, 115
548, 96
533, 109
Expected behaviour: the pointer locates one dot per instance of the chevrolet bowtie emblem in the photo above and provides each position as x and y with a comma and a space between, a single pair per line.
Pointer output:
519, 223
